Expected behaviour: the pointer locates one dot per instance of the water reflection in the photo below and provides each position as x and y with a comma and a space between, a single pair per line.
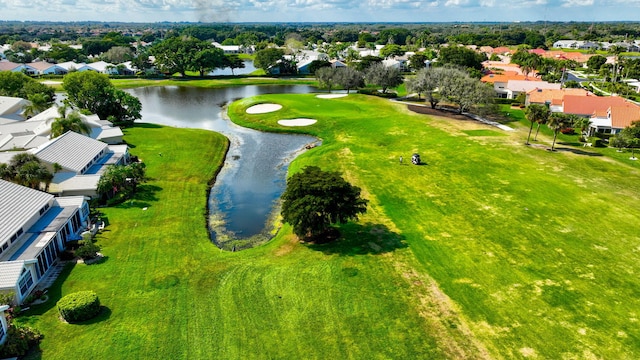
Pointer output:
253, 177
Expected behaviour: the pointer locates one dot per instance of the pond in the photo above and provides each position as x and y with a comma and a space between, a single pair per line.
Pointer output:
248, 69
244, 198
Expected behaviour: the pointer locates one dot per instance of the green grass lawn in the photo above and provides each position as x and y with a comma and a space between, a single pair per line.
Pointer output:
490, 249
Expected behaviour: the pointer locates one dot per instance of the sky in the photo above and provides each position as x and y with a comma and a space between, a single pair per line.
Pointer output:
320, 10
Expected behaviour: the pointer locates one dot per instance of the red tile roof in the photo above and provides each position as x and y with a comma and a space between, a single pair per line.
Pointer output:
623, 116
587, 105
506, 76
554, 96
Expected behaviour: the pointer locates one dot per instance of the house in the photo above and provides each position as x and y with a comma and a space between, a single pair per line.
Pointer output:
45, 68
71, 66
614, 119
18, 133
6, 65
551, 96
81, 161
15, 67
586, 106
566, 44
36, 227
500, 82
101, 67
517, 87
229, 49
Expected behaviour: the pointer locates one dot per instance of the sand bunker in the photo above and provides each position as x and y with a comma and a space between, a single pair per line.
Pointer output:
263, 108
297, 122
330, 96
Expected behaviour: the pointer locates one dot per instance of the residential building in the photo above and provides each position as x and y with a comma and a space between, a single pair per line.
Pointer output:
82, 160
586, 106
35, 228
614, 119
45, 68
500, 82
551, 96
11, 108
517, 87
18, 133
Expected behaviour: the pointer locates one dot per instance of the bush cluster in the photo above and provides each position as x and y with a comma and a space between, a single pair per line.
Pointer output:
79, 306
19, 340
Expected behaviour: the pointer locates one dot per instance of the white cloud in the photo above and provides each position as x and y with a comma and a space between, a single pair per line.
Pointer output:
572, 3
456, 2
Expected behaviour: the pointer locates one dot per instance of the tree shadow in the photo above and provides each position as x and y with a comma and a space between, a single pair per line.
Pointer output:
362, 239
144, 196
578, 151
104, 314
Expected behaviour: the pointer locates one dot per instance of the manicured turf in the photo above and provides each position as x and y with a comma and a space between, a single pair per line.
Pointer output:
490, 249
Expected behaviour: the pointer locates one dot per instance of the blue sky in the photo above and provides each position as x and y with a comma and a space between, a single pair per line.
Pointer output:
320, 10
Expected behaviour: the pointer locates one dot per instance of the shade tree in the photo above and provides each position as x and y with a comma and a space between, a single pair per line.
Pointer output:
383, 76
314, 200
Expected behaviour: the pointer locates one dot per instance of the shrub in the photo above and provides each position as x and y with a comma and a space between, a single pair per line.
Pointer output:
88, 251
567, 131
596, 142
79, 306
19, 340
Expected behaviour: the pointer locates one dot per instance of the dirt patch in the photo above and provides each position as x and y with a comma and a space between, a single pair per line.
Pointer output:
426, 110
286, 248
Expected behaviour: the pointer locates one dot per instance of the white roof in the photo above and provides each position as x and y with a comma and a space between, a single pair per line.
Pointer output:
525, 85
68, 181
10, 272
71, 150
100, 66
18, 204
71, 65
10, 105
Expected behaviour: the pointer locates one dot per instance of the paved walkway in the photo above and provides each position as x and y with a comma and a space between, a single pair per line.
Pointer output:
51, 277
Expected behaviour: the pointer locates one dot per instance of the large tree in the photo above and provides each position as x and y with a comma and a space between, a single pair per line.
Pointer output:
176, 54
385, 77
16, 84
466, 92
233, 62
94, 92
207, 60
461, 56
267, 58
315, 199
349, 78
327, 77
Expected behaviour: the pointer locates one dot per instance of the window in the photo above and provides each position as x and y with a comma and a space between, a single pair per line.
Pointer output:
2, 333
20, 232
26, 282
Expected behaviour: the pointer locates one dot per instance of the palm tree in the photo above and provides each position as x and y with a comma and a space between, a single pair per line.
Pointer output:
556, 122
536, 113
72, 122
582, 123
616, 50
38, 102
